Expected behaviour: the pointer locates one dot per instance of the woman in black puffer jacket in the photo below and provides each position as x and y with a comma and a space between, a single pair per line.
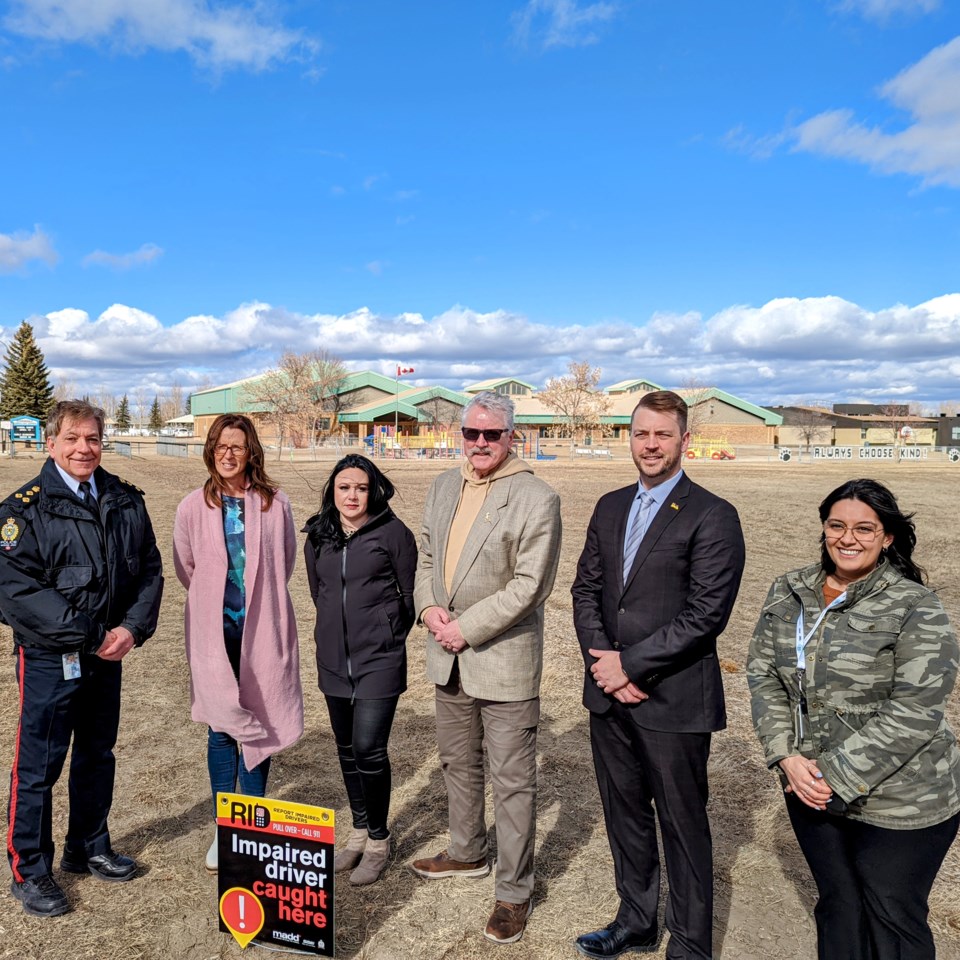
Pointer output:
361, 562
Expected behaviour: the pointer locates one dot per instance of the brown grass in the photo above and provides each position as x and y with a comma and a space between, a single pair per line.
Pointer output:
161, 811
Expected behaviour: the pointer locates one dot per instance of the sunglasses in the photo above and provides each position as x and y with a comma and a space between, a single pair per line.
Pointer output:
491, 436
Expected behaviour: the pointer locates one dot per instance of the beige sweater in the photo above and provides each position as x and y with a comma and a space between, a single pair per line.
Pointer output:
473, 491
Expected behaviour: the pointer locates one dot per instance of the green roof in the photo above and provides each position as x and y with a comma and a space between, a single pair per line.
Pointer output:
769, 418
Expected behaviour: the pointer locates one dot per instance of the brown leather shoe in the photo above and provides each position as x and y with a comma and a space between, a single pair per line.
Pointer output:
508, 921
440, 866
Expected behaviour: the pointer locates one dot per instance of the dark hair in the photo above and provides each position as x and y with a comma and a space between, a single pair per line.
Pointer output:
381, 490
76, 411
893, 520
664, 401
256, 473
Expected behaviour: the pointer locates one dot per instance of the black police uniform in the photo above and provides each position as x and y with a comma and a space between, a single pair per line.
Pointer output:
69, 571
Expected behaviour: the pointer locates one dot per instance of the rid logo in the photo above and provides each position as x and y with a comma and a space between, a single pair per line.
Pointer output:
249, 814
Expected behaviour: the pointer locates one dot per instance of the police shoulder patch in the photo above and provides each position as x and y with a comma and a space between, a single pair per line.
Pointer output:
9, 534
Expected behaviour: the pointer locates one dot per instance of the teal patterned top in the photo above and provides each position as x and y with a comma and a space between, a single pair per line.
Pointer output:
234, 593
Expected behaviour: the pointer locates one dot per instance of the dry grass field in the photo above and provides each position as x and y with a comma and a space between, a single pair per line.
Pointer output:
161, 809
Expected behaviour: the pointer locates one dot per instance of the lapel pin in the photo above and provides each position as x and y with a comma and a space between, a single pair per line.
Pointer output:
673, 506
486, 517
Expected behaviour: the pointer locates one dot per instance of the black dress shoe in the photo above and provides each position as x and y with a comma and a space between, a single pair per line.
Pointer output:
41, 896
114, 867
615, 939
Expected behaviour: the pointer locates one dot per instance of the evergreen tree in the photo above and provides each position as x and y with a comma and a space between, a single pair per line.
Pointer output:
25, 382
156, 419
123, 415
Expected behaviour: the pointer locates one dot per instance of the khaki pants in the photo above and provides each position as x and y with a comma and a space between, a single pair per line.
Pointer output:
465, 726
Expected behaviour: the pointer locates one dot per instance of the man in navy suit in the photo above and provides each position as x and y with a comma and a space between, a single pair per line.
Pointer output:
655, 585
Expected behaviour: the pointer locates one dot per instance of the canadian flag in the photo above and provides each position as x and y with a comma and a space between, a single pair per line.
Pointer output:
402, 370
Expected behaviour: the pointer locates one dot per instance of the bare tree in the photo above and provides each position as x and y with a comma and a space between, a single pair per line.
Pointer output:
812, 424
141, 399
896, 416
441, 413
104, 399
329, 374
65, 389
576, 398
949, 408
171, 403
696, 394
300, 393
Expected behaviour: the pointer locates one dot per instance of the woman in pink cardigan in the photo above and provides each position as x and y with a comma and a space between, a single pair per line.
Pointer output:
234, 546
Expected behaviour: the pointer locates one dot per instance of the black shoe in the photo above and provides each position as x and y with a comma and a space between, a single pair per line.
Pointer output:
106, 866
41, 896
615, 939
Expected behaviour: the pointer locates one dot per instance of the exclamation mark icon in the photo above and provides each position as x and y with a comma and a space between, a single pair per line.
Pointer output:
242, 906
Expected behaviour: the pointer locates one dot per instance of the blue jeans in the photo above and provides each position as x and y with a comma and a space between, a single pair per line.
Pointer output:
226, 766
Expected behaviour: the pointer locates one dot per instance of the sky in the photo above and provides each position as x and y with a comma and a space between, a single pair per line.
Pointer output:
758, 196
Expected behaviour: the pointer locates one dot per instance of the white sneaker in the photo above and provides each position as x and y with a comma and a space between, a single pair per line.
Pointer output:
212, 861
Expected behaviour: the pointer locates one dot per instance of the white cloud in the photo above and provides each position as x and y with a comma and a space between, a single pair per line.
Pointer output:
738, 138
215, 35
147, 253
927, 147
884, 9
785, 350
560, 23
18, 249
376, 267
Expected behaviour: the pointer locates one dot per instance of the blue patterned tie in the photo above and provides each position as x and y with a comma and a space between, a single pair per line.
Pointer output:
637, 530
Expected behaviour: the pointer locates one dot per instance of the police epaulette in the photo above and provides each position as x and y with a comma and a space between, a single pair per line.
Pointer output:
129, 484
26, 494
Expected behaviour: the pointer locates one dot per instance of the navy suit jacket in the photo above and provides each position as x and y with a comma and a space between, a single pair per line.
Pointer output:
666, 617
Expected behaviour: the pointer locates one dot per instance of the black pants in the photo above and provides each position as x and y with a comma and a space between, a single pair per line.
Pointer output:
638, 769
873, 884
362, 729
51, 710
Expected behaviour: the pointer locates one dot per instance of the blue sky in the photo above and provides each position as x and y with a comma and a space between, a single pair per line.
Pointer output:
759, 195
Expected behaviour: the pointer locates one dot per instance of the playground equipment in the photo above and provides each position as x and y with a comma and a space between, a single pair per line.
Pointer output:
702, 448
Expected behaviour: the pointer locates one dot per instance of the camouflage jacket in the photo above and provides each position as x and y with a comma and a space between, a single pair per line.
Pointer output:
879, 669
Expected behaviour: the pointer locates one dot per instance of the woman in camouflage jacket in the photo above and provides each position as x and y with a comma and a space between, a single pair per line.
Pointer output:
850, 667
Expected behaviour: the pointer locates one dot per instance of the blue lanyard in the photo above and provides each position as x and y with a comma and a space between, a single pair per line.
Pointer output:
803, 639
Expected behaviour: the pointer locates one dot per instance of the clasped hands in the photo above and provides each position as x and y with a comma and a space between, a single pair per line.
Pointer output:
806, 782
612, 679
117, 643
445, 631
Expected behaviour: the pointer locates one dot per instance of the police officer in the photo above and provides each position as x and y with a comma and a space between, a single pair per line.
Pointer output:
80, 584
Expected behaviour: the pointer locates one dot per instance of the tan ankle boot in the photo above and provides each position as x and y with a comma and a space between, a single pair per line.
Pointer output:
349, 856
373, 864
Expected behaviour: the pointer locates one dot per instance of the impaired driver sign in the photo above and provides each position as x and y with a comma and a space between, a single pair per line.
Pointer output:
276, 872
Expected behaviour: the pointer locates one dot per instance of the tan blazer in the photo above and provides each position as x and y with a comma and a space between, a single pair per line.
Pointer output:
502, 580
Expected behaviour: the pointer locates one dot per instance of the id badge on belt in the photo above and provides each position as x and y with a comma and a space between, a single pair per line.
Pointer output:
800, 723
71, 665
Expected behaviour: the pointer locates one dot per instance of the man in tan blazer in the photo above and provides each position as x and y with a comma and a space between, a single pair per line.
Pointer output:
488, 557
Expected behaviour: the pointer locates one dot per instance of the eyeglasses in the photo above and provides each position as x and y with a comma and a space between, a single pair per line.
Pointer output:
862, 532
491, 436
222, 449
